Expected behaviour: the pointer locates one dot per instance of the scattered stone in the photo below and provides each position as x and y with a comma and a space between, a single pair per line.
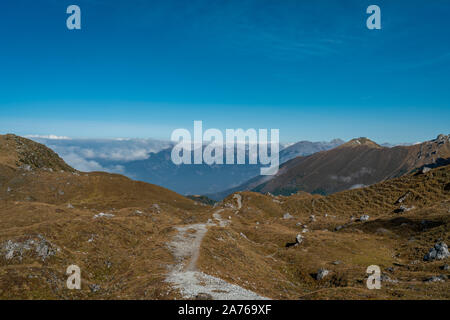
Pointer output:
287, 216
440, 278
40, 246
364, 217
338, 228
69, 206
385, 278
445, 267
312, 218
298, 239
322, 273
101, 215
336, 262
26, 167
439, 251
404, 208
402, 198
425, 170
94, 288
156, 207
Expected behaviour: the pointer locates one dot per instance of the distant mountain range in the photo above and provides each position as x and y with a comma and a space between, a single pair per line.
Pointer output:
202, 178
150, 161
357, 163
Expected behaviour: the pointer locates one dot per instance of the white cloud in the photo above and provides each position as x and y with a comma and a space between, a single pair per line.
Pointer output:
85, 165
50, 137
82, 164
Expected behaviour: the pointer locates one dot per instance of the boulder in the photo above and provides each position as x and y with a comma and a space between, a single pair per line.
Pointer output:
102, 214
425, 170
287, 216
404, 208
322, 273
439, 252
299, 238
364, 217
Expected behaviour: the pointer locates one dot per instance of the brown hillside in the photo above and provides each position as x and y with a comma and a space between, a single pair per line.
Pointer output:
114, 228
121, 232
359, 162
252, 250
18, 152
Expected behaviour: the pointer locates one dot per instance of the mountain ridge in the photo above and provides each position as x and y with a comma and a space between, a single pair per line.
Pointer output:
359, 162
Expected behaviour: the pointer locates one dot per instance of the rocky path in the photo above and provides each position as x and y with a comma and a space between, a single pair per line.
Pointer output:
185, 276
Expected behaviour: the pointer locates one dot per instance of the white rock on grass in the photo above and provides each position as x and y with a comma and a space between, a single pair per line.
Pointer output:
364, 217
287, 216
102, 214
439, 252
322, 273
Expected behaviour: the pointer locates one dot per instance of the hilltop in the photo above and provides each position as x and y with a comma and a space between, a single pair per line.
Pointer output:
18, 152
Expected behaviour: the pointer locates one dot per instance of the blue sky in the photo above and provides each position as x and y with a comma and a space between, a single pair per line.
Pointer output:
143, 68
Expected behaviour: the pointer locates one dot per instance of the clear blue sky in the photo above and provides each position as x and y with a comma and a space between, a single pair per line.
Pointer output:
143, 68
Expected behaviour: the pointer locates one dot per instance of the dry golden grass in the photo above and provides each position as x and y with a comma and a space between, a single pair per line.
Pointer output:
128, 257
388, 239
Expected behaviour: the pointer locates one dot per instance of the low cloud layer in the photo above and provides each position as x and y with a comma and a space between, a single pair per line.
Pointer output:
101, 154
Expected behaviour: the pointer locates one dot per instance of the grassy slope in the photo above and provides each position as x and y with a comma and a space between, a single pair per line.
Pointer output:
127, 255
388, 239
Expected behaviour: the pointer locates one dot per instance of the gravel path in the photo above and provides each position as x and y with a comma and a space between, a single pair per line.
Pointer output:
185, 276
